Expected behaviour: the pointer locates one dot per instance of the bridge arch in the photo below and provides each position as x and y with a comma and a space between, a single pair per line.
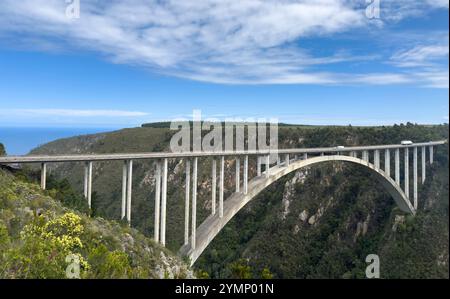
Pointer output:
212, 225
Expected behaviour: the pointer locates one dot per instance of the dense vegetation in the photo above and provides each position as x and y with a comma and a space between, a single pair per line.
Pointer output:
2, 150
41, 238
321, 222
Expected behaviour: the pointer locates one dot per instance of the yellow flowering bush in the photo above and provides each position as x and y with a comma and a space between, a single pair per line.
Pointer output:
62, 233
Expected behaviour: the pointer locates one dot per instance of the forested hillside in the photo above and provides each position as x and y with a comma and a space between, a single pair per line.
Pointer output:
319, 222
41, 238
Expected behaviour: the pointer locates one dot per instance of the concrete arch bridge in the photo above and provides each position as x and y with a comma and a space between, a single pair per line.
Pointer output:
196, 239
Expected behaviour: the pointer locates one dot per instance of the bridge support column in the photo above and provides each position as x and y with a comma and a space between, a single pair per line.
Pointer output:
88, 182
157, 200
287, 160
322, 154
415, 177
238, 174
194, 204
397, 166
124, 187
222, 174
387, 162
376, 159
365, 156
213, 186
246, 175
424, 153
431, 154
278, 160
129, 187
267, 166
43, 175
258, 166
186, 201
305, 155
407, 172
163, 201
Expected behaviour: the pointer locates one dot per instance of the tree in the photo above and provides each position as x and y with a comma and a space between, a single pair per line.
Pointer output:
241, 270
266, 274
2, 150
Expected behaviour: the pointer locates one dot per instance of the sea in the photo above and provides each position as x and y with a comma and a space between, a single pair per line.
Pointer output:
21, 140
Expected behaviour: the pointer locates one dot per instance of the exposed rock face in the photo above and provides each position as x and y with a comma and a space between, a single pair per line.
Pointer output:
289, 190
314, 218
127, 242
361, 228
168, 268
303, 215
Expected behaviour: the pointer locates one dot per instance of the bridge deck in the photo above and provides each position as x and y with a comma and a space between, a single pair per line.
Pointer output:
139, 156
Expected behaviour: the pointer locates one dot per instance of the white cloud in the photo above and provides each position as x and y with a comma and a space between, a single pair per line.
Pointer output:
422, 55
426, 63
220, 41
70, 113
438, 3
397, 10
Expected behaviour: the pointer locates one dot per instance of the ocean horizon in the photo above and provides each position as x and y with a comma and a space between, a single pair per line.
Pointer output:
21, 140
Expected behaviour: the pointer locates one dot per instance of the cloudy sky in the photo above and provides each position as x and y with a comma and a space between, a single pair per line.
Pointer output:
121, 63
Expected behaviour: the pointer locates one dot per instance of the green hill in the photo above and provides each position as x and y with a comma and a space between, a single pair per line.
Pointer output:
321, 222
40, 238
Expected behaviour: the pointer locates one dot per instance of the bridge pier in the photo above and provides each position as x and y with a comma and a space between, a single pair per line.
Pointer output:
186, 201
88, 182
397, 166
238, 175
129, 187
431, 154
267, 166
194, 203
258, 166
222, 170
387, 162
157, 200
163, 202
213, 186
365, 156
43, 175
424, 153
407, 172
305, 155
415, 177
124, 187
376, 159
287, 160
246, 175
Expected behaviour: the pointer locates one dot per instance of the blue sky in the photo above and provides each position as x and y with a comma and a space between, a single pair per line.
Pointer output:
122, 63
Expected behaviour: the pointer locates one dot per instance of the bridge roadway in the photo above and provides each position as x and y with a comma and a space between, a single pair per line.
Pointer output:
141, 156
